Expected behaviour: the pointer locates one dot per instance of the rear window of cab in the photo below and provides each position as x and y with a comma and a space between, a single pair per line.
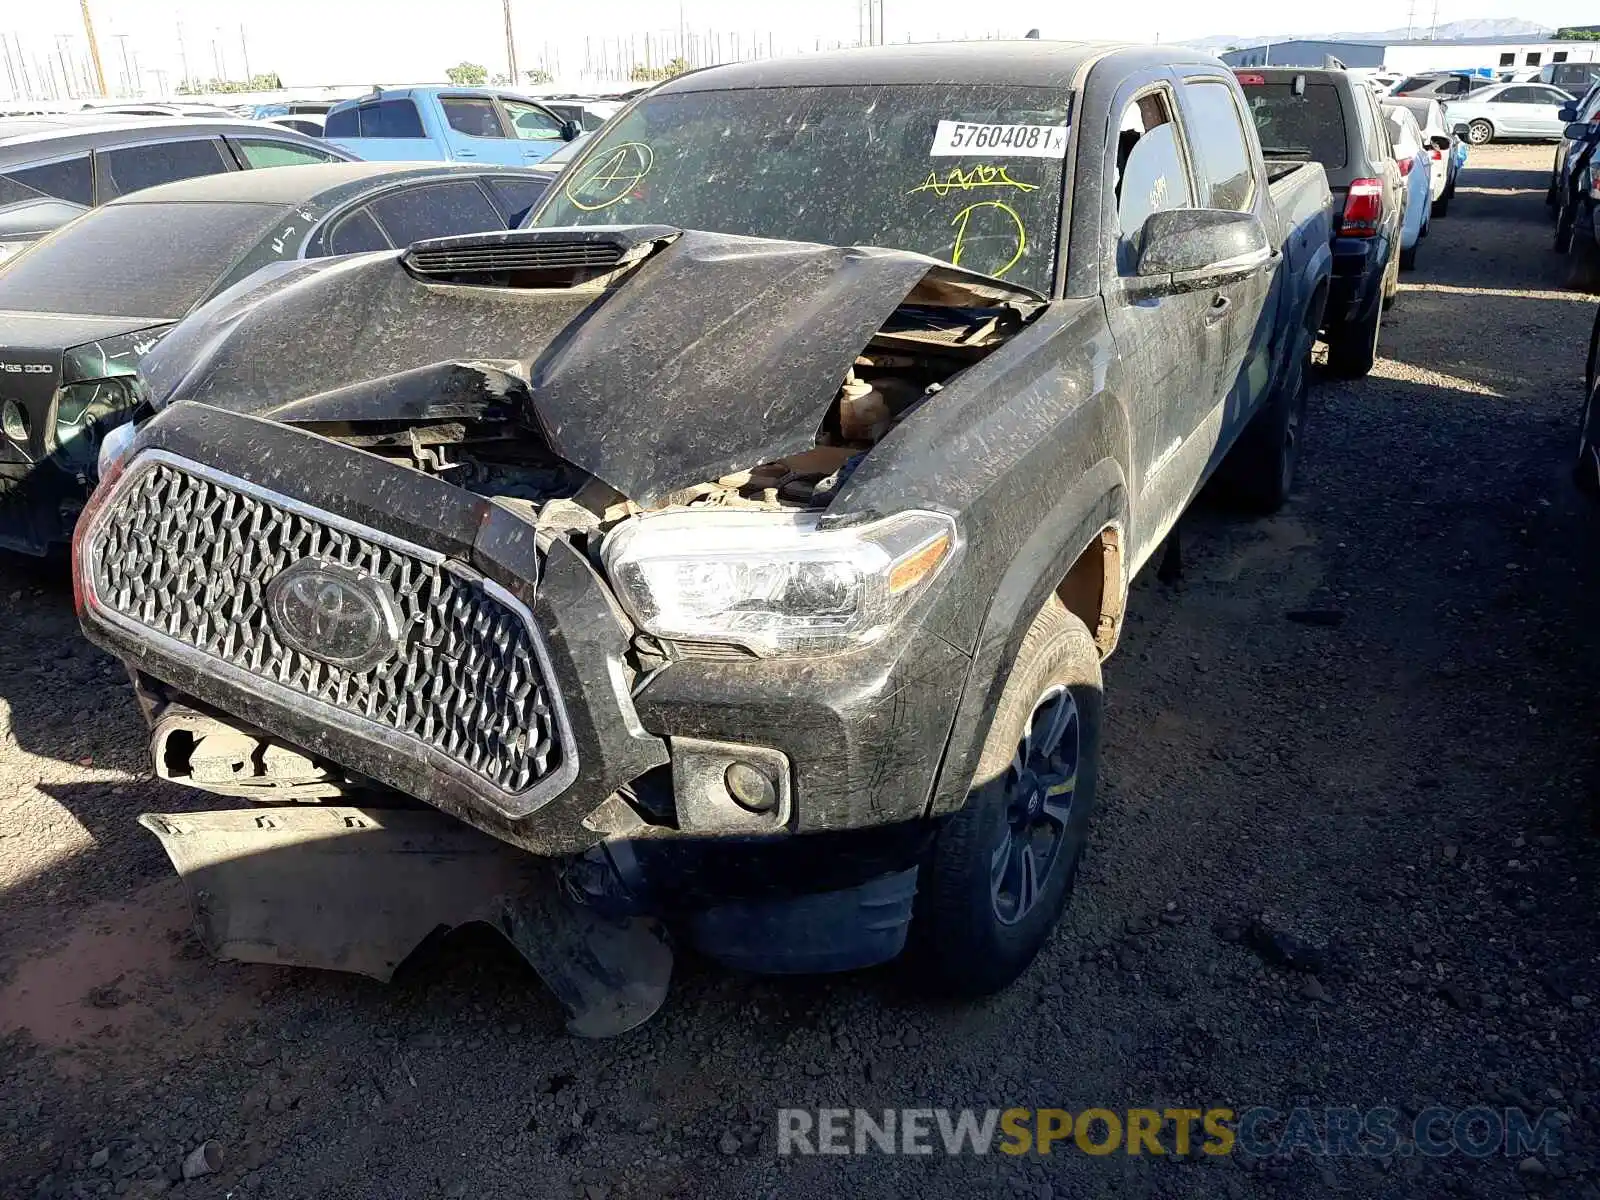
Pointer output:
1309, 125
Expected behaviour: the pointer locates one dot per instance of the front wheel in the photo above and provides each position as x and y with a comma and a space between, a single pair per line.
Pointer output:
1480, 132
998, 875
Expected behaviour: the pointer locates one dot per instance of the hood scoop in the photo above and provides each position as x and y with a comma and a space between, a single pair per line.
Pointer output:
536, 257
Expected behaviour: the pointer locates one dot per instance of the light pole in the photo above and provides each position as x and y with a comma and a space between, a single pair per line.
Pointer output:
94, 47
511, 44
127, 72
61, 57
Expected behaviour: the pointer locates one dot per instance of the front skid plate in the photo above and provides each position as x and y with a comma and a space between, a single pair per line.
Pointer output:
351, 889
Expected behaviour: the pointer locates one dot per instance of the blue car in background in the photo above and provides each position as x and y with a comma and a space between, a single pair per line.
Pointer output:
448, 124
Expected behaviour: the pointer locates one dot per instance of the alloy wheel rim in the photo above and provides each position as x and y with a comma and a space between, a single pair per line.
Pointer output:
1040, 786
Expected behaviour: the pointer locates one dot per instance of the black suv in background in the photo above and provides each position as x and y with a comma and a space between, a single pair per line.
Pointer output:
1332, 118
55, 168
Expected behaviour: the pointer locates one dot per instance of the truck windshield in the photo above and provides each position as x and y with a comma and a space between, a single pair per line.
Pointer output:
968, 174
1308, 126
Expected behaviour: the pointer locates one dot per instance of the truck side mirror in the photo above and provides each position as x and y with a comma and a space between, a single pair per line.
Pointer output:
1581, 131
1568, 111
1187, 249
1460, 129
570, 130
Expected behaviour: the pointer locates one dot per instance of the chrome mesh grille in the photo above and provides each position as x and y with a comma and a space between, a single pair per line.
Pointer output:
190, 557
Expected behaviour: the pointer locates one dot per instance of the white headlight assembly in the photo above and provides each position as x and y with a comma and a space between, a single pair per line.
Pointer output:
775, 583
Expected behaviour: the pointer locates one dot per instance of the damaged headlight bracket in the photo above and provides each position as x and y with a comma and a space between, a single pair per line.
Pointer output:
776, 583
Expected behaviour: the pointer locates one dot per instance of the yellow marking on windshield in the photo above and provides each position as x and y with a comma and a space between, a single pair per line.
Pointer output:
963, 221
981, 176
621, 170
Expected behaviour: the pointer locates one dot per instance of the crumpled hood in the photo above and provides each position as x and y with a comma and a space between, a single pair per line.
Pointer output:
715, 354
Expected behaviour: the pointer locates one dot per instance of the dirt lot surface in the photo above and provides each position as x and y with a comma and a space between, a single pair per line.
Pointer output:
1404, 781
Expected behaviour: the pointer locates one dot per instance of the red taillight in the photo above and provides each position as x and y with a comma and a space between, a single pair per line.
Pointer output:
1363, 208
1405, 166
1251, 79
1436, 155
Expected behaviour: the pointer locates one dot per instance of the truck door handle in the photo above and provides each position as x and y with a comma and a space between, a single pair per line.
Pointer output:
1220, 305
466, 154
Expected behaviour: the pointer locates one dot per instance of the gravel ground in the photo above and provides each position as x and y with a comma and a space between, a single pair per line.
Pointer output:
1404, 782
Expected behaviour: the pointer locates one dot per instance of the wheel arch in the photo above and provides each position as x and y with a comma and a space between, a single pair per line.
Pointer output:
1079, 551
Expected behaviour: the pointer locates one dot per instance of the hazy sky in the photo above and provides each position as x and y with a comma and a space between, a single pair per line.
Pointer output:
344, 41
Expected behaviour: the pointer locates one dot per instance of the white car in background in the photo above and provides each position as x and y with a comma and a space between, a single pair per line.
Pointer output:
1510, 110
1440, 144
1412, 157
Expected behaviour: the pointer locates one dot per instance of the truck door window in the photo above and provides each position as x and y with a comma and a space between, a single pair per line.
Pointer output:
531, 123
390, 119
346, 123
1227, 177
474, 116
1151, 175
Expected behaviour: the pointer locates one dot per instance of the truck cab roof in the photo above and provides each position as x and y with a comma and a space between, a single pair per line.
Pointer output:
1022, 62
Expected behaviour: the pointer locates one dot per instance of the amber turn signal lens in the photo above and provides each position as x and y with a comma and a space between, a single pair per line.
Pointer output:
916, 566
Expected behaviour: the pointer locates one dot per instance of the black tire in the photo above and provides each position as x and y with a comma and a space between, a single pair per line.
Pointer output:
1586, 463
1594, 354
1480, 133
1441, 206
1583, 266
1353, 349
961, 943
1408, 258
1258, 473
1566, 222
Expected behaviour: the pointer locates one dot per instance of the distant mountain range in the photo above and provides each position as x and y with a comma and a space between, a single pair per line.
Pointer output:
1498, 27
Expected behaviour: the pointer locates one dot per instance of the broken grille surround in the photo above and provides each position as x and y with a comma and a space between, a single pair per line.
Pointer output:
509, 803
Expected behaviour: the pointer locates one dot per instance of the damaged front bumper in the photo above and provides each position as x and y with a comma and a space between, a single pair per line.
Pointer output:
357, 890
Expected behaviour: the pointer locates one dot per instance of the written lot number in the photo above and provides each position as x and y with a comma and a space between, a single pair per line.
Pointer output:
998, 141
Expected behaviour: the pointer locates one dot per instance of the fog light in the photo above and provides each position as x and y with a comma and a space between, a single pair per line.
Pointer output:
750, 787
14, 420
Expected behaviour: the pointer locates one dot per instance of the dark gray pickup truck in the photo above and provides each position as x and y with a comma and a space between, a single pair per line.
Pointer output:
737, 546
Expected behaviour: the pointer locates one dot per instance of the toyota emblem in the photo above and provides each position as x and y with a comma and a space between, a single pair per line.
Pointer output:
334, 614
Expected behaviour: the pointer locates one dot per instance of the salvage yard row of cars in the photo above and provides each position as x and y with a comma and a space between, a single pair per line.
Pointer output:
717, 546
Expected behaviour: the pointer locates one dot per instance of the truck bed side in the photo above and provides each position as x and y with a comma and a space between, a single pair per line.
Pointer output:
1303, 209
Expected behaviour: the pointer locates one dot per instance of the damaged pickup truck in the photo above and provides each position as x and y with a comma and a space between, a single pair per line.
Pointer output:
689, 565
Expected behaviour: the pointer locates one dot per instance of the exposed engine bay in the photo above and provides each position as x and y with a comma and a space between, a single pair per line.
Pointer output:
478, 437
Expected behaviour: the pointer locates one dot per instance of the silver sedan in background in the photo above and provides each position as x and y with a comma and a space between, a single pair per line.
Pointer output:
1511, 110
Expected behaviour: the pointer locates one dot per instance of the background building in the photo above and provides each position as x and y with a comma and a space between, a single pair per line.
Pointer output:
1411, 56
